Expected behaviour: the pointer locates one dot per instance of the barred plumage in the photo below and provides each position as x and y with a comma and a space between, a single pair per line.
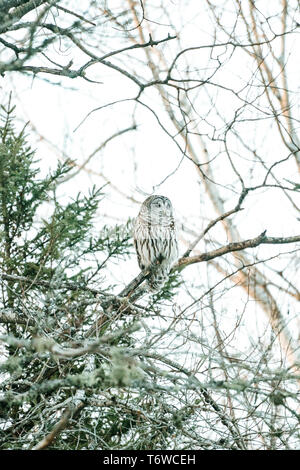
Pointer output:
155, 238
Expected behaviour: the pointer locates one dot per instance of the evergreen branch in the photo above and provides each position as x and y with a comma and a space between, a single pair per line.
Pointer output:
48, 284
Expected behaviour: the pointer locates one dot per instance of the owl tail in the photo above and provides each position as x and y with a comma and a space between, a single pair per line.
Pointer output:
158, 280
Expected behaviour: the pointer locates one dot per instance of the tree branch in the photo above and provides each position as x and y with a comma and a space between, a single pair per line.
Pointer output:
62, 423
237, 246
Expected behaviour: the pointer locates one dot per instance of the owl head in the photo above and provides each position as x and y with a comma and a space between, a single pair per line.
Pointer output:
156, 209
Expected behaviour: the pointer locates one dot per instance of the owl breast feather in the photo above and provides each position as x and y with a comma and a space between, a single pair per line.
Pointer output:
154, 243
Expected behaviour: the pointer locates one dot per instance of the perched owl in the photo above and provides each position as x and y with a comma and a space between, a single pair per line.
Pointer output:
155, 239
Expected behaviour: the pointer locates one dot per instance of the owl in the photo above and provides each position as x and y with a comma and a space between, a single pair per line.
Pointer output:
155, 239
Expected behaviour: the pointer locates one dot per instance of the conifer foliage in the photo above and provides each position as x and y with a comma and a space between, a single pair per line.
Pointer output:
50, 368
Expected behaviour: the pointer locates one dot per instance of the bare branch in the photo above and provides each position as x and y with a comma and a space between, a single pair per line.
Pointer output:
237, 246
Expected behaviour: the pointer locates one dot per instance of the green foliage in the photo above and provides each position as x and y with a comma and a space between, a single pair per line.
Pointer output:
37, 249
21, 193
168, 291
58, 257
